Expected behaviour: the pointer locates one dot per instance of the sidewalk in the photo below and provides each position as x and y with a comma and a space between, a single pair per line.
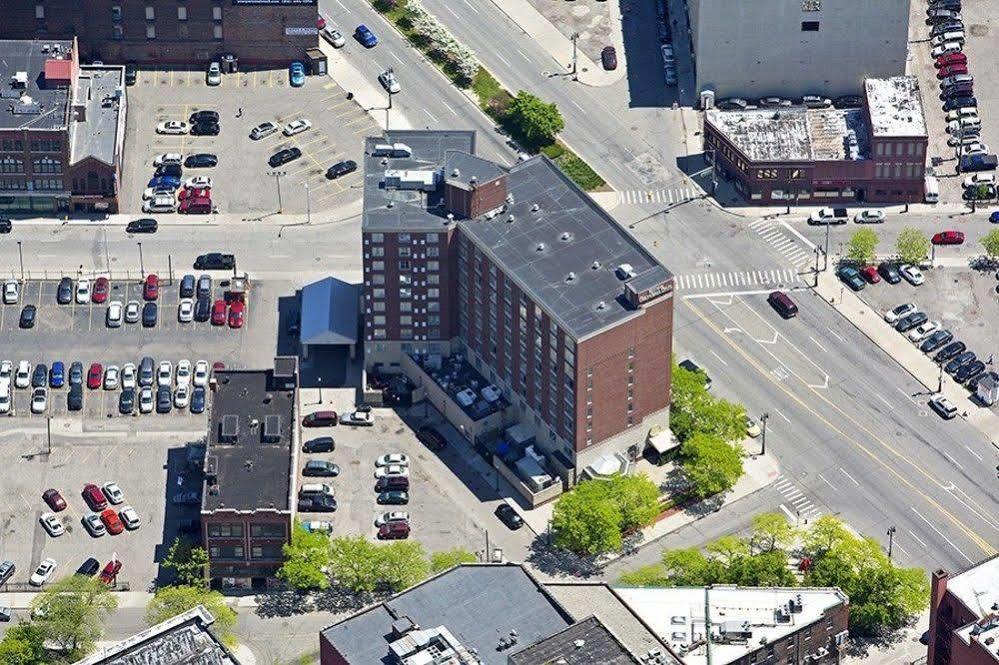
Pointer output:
370, 97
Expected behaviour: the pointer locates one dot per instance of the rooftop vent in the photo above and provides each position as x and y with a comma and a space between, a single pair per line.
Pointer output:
390, 204
625, 271
511, 219
601, 306
455, 173
535, 208
565, 236
595, 265
540, 247
579, 644
450, 217
473, 180
509, 199
571, 277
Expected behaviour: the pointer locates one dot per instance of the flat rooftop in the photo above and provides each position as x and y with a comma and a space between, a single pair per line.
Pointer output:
585, 643
978, 587
794, 133
39, 107
676, 615
251, 472
895, 106
97, 135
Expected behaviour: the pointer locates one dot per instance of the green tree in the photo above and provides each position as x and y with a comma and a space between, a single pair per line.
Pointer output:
189, 563
861, 247
23, 644
651, 575
991, 244
771, 531
354, 563
693, 409
172, 600
636, 497
825, 533
766, 569
690, 567
728, 548
401, 564
912, 245
441, 561
711, 465
536, 121
306, 559
586, 520
72, 613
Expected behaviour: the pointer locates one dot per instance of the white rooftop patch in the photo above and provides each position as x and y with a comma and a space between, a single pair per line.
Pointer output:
895, 106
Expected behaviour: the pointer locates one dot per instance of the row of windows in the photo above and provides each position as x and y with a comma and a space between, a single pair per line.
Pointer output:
908, 171
406, 238
235, 530
47, 165
10, 164
12, 145
45, 145
912, 148
40, 184
238, 552
773, 174
182, 33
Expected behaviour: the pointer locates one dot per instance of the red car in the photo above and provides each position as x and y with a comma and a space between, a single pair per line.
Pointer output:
111, 521
94, 497
393, 531
151, 288
218, 313
94, 376
870, 273
110, 572
54, 499
101, 289
952, 70
236, 314
949, 238
952, 59
196, 193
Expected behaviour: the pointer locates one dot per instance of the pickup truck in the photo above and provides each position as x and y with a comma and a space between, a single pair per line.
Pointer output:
828, 216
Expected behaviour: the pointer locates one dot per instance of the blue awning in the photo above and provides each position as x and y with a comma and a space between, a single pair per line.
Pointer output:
329, 312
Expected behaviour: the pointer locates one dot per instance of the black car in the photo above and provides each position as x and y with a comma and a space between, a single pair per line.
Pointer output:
284, 156
201, 160
973, 383
164, 401
509, 516
969, 371
322, 444
946, 26
959, 361
147, 371
851, 277
341, 169
392, 483
202, 309
144, 225
936, 340
393, 498
126, 401
210, 117
174, 170
950, 351
215, 261
907, 323
40, 377
64, 295
74, 401
27, 319
965, 89
198, 400
322, 503
848, 102
431, 438
7, 569
76, 374
318, 467
149, 314
205, 286
205, 129
959, 103
187, 286
890, 273
6, 225
89, 567
953, 5
131, 74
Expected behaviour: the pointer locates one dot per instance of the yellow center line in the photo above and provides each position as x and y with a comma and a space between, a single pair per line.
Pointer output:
972, 535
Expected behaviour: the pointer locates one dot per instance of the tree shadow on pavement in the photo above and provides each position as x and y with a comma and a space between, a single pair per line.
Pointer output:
291, 602
559, 563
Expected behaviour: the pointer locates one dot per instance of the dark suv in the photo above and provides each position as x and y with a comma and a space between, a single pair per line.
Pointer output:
215, 261
322, 444
392, 483
65, 293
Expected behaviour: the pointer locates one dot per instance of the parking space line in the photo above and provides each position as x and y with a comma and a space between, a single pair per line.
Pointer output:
360, 119
345, 102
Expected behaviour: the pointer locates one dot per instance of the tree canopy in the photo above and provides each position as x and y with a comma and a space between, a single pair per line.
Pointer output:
189, 563
536, 121
695, 410
592, 517
861, 247
23, 644
912, 245
990, 243
170, 601
72, 613
441, 561
306, 559
710, 464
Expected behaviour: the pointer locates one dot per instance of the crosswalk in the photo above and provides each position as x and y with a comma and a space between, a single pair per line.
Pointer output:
661, 196
741, 279
791, 248
801, 506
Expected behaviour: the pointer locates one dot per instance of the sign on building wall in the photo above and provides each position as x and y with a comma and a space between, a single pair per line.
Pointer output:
273, 2
290, 32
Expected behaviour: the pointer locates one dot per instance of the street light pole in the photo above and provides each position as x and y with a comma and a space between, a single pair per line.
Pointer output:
765, 417
816, 267
940, 379
574, 38
20, 256
308, 205
825, 261
891, 539
277, 176
142, 269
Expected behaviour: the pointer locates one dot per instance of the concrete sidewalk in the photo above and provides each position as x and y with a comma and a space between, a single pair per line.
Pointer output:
370, 97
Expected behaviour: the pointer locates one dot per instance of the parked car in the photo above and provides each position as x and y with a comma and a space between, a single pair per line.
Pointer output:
320, 503
910, 321
851, 277
43, 572
393, 498
151, 287
393, 516
948, 238
320, 419
431, 438
201, 160
506, 513
57, 375
893, 316
389, 82
143, 225
389, 483
950, 351
263, 130
890, 272
943, 406
322, 444
912, 274
782, 304
296, 75
321, 468
333, 36
110, 572
284, 156
172, 127
341, 169
608, 57
959, 361
357, 419
969, 371
828, 216
870, 216
94, 497
150, 313
297, 127
923, 330
93, 524
936, 340
393, 531
89, 567
54, 500
213, 76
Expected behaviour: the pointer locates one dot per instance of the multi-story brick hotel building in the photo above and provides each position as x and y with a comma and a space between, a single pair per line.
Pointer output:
512, 299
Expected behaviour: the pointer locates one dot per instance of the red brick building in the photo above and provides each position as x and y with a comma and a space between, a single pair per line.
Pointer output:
964, 616
257, 32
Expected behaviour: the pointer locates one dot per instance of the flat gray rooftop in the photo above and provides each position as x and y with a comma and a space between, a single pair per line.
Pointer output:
252, 473
585, 643
29, 57
793, 134
97, 136
896, 107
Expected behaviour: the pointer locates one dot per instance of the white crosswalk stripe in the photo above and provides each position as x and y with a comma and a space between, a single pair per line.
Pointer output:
790, 248
801, 505
666, 196
731, 280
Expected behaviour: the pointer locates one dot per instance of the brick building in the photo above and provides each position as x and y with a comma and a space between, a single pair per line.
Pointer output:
875, 153
257, 32
964, 616
62, 129
567, 320
248, 498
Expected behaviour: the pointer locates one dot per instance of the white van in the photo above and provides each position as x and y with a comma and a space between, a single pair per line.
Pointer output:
159, 204
963, 112
932, 189
315, 489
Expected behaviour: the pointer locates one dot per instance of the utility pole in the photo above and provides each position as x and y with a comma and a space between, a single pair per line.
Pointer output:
825, 262
891, 539
20, 256
308, 204
48, 432
765, 417
940, 379
816, 267
714, 176
142, 269
574, 38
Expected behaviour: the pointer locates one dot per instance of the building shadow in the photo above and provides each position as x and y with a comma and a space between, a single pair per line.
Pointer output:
646, 26
289, 325
180, 519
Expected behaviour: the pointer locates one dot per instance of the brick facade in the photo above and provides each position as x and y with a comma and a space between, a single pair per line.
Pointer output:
244, 545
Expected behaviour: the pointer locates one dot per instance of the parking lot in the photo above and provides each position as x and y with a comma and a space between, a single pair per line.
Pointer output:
243, 182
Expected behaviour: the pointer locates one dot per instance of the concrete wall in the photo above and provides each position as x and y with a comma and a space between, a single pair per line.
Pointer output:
533, 499
755, 49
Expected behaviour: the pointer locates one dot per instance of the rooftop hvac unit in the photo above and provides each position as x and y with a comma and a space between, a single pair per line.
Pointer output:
625, 271
840, 638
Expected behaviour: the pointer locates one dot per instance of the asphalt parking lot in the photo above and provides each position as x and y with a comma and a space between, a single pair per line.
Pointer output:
243, 182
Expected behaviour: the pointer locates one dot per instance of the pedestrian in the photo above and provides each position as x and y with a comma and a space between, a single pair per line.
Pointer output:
239, 113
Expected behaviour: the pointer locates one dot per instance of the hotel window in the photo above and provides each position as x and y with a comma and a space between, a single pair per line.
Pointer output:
379, 319
432, 237
406, 293
217, 32
117, 32
405, 265
378, 266
767, 174
378, 279
406, 320
150, 32
433, 251
405, 279
181, 13
379, 293
380, 306
379, 333
225, 530
433, 266
405, 333
404, 238
405, 307
115, 12
377, 237
39, 11
880, 151
150, 13
405, 252
433, 293
378, 251
217, 13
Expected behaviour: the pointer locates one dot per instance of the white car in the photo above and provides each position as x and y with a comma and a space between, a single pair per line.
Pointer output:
263, 130
919, 333
185, 310
113, 493
52, 524
394, 516
168, 158
965, 138
162, 203
128, 376
172, 127
115, 314
943, 406
183, 372
392, 470
392, 458
4, 397
979, 179
944, 49
198, 181
214, 75
974, 148
150, 193
333, 36
42, 573
39, 399
912, 274
146, 399
201, 373
389, 81
940, 40
6, 370
297, 126
182, 396
165, 375
10, 292
893, 315
870, 216
132, 311
112, 377
129, 518
82, 291
317, 526
23, 377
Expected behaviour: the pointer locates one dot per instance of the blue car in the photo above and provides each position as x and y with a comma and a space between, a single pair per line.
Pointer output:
296, 74
57, 375
170, 182
198, 400
994, 217
365, 36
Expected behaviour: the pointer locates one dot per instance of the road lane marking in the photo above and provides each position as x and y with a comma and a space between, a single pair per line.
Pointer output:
816, 342
833, 333
907, 395
431, 115
827, 482
392, 53
342, 5
522, 55
900, 548
777, 411
722, 361
577, 105
939, 533
918, 539
452, 12
849, 476
502, 59
791, 516
954, 461
976, 455
884, 400
472, 7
